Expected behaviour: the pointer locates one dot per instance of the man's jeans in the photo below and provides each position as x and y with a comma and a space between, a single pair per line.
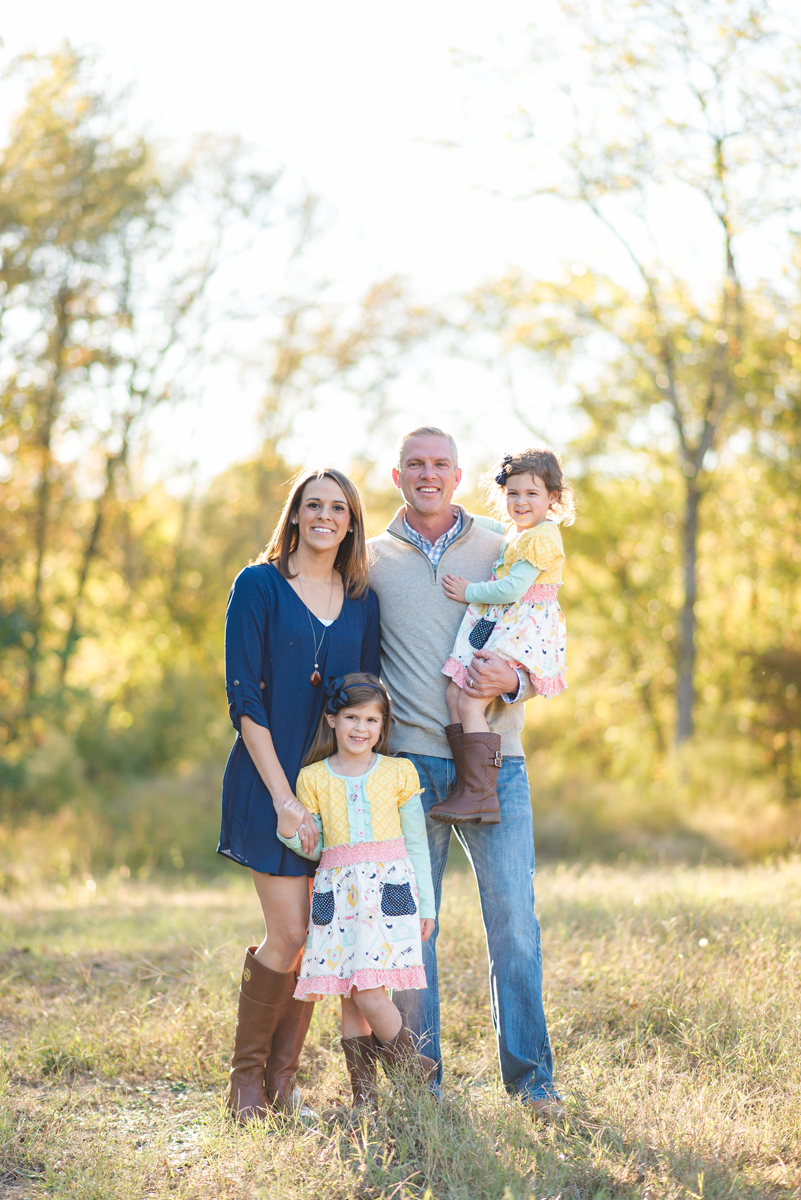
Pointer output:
502, 857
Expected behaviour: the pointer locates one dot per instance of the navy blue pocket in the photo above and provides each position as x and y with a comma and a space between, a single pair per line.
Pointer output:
397, 900
322, 908
480, 633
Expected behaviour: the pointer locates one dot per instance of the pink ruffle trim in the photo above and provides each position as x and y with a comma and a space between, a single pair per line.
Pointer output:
326, 985
347, 855
539, 593
549, 687
454, 669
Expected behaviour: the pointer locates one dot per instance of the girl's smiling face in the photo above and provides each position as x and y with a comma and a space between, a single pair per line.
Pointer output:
527, 500
357, 729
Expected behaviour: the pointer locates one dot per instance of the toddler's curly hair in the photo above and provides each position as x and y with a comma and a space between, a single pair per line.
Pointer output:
538, 460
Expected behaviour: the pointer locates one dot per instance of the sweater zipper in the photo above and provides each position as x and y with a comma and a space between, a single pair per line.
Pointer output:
401, 538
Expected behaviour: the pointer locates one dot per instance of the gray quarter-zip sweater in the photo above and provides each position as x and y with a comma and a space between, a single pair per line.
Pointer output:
418, 628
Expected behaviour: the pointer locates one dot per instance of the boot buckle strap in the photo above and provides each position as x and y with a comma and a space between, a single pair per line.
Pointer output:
498, 759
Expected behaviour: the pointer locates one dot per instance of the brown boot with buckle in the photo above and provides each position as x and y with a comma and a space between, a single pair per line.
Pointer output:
282, 1065
454, 735
262, 995
475, 799
400, 1055
361, 1056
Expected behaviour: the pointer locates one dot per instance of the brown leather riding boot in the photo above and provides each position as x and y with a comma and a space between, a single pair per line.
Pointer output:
282, 1065
360, 1058
262, 995
454, 735
475, 799
400, 1055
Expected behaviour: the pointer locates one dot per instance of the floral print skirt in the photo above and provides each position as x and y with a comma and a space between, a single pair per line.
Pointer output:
364, 929
530, 633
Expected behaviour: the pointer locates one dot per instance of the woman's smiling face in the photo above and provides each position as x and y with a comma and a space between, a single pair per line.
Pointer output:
323, 516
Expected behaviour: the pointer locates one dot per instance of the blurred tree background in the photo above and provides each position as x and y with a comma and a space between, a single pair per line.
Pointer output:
679, 734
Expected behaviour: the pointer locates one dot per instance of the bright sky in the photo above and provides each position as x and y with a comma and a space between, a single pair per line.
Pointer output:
356, 99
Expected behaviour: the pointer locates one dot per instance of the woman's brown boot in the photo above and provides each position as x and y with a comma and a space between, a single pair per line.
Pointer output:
360, 1058
400, 1055
262, 995
475, 798
282, 1065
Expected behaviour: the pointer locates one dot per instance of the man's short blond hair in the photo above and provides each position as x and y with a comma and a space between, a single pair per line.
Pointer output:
427, 431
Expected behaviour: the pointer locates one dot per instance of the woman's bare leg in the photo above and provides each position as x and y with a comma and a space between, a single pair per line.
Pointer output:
284, 902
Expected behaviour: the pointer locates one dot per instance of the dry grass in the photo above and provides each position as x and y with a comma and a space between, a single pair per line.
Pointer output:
673, 998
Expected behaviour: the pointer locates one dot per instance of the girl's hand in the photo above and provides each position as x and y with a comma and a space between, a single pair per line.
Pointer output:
455, 586
426, 928
294, 817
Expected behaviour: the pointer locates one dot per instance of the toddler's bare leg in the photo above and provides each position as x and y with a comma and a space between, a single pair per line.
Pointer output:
470, 710
452, 694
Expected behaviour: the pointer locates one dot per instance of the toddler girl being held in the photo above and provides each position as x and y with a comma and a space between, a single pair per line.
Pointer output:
517, 616
373, 896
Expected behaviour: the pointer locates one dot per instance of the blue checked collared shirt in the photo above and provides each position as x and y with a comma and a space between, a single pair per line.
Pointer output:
434, 552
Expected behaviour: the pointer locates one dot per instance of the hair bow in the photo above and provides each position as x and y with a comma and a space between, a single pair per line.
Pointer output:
500, 478
337, 696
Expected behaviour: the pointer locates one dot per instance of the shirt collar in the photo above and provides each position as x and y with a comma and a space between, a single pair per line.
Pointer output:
447, 536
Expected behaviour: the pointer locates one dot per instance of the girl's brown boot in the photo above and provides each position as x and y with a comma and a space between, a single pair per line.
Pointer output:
400, 1055
360, 1058
475, 798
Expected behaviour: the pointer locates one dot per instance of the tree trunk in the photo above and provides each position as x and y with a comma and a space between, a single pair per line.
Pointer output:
685, 687
51, 406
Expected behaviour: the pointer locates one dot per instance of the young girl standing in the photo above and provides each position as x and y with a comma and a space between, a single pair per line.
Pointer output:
516, 615
373, 896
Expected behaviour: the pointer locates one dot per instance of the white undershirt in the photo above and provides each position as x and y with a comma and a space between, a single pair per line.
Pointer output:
326, 623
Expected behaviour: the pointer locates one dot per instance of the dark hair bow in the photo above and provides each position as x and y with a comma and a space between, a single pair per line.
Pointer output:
500, 478
337, 696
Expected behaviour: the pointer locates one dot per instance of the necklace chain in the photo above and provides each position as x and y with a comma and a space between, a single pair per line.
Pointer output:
335, 756
315, 675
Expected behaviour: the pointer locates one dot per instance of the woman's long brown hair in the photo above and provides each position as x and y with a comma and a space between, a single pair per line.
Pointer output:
360, 688
351, 560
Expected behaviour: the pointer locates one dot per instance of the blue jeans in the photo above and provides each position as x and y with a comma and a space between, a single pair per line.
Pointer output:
502, 858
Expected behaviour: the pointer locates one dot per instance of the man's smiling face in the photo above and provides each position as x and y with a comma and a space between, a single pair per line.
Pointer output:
428, 475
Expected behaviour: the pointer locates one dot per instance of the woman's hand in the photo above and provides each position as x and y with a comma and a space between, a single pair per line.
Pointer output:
426, 928
455, 586
294, 817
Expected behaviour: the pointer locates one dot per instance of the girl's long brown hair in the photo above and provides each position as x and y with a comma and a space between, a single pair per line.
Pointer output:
351, 560
360, 688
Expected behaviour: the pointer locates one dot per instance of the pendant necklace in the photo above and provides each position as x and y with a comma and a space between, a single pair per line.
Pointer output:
315, 679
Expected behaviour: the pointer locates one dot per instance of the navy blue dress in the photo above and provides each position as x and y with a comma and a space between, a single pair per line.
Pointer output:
268, 637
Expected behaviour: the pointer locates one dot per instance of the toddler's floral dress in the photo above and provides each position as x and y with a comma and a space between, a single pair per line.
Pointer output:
531, 631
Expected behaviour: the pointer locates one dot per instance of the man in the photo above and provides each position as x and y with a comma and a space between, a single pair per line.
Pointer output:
428, 538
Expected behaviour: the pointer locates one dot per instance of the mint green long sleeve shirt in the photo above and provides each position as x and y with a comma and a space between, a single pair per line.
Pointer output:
507, 590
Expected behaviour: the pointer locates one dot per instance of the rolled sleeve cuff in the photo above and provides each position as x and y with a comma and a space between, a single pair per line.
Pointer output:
245, 700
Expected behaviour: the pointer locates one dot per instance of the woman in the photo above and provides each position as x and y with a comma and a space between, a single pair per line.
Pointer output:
301, 613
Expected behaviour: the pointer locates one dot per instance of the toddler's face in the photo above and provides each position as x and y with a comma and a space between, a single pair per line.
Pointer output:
527, 500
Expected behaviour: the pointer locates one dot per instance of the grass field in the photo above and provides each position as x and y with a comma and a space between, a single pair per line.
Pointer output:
674, 1002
